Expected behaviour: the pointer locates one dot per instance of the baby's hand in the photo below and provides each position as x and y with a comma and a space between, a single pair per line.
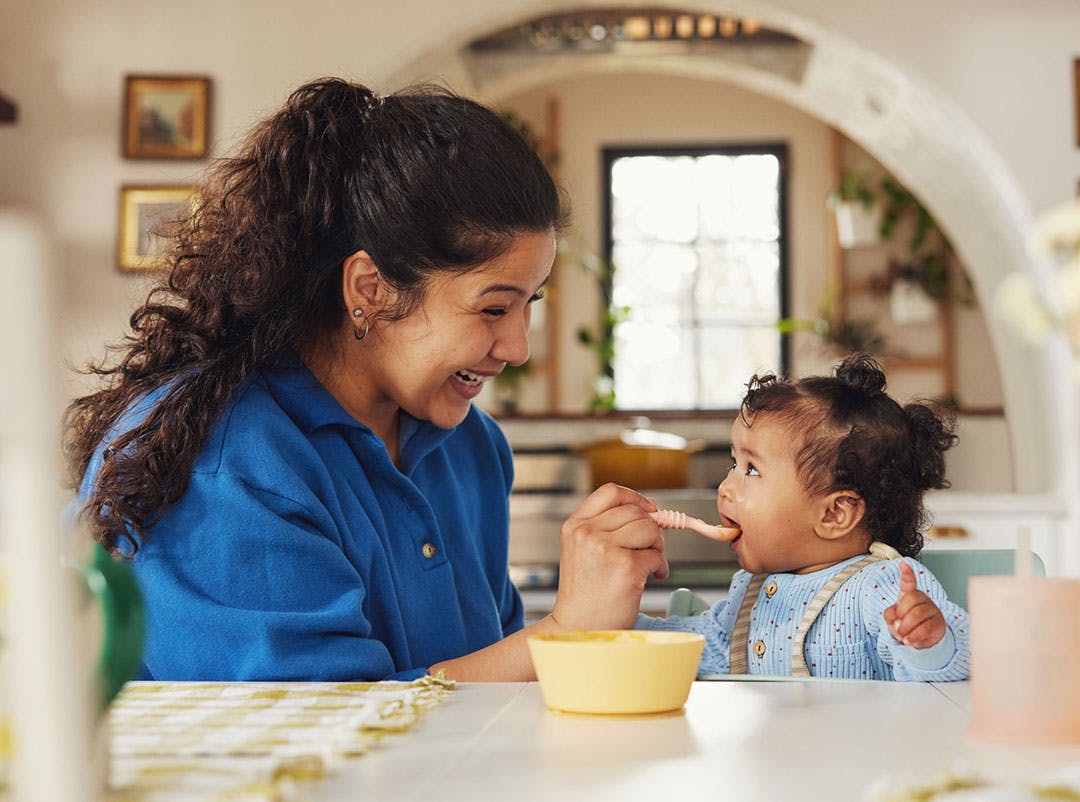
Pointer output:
914, 620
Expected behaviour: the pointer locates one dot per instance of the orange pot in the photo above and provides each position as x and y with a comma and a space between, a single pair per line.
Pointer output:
641, 458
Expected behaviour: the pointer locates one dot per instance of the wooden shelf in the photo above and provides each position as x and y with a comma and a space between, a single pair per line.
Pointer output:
848, 287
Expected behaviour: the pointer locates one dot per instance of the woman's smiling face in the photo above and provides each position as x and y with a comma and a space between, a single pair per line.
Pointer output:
470, 325
765, 497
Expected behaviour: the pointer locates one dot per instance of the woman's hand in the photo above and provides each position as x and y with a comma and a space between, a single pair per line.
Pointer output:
610, 546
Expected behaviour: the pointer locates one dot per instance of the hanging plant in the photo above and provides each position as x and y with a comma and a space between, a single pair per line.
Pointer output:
930, 255
853, 188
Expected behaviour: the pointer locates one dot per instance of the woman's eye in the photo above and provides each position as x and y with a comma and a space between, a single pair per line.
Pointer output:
538, 296
495, 311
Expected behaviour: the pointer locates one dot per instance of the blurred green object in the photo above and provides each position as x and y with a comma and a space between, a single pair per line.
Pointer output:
112, 584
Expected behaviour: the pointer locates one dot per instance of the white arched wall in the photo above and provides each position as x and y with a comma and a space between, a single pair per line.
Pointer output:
918, 134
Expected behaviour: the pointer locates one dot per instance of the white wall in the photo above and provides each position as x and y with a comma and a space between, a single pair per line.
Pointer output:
1006, 64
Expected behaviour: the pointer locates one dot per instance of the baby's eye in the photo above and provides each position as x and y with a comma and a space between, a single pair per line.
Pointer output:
751, 470
734, 465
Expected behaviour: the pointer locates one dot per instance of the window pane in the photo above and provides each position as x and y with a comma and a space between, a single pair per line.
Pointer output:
730, 356
654, 363
653, 275
650, 200
739, 198
739, 281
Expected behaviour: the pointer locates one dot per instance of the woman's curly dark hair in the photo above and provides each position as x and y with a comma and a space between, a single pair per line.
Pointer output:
423, 180
850, 435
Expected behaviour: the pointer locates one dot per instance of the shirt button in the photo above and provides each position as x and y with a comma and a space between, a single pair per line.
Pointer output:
770, 589
428, 550
759, 647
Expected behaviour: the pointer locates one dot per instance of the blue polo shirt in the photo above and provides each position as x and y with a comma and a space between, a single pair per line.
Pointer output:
301, 552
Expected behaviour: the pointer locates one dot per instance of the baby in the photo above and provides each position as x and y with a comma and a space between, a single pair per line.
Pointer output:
826, 485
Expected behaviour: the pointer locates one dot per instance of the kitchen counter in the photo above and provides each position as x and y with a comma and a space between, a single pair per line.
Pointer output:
742, 740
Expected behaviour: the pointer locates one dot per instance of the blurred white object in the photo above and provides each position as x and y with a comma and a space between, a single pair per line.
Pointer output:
1038, 315
857, 225
908, 303
51, 707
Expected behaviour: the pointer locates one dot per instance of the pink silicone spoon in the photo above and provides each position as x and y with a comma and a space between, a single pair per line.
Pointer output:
673, 519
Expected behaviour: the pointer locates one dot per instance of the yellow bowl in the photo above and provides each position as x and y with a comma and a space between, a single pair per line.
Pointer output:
616, 671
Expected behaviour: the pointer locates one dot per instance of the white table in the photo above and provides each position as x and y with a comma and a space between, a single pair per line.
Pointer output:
737, 740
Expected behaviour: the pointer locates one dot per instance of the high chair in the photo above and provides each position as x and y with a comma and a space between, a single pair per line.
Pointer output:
952, 567
684, 601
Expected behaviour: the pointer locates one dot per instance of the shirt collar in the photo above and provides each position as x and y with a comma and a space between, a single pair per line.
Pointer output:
311, 406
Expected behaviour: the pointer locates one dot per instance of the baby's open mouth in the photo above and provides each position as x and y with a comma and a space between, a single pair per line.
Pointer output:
730, 524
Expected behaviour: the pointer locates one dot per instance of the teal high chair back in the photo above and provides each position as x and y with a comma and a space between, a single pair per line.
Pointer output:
684, 601
952, 567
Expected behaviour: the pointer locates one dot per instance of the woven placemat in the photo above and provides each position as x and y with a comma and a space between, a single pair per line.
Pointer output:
240, 741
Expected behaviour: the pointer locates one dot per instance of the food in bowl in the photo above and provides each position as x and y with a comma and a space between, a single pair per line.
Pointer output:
616, 671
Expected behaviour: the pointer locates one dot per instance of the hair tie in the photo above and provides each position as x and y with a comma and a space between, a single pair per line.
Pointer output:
373, 101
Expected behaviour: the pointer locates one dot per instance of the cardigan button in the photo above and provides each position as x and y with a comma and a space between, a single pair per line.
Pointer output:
428, 550
770, 589
759, 647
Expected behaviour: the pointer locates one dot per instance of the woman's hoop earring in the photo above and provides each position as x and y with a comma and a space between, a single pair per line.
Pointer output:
358, 314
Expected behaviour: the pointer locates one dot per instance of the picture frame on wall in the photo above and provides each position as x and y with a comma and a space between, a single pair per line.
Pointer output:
148, 216
166, 116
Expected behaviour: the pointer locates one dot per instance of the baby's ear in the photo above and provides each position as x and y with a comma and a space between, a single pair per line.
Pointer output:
841, 513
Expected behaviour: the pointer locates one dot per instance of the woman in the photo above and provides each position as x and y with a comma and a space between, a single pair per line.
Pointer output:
286, 447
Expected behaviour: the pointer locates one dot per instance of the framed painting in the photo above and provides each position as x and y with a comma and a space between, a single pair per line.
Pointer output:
166, 116
149, 216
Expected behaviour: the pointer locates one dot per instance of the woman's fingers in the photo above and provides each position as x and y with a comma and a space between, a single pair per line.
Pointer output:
610, 546
628, 524
612, 495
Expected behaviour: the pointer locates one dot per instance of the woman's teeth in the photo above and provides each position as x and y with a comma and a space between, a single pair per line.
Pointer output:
473, 379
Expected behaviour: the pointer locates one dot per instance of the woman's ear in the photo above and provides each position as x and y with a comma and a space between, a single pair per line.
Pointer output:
841, 513
361, 283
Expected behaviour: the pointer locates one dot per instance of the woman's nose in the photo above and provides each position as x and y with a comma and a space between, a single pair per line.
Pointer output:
512, 343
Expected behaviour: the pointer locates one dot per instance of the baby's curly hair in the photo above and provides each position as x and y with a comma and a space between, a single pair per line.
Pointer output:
850, 435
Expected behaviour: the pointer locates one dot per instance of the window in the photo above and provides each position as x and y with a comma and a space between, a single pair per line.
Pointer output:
696, 241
